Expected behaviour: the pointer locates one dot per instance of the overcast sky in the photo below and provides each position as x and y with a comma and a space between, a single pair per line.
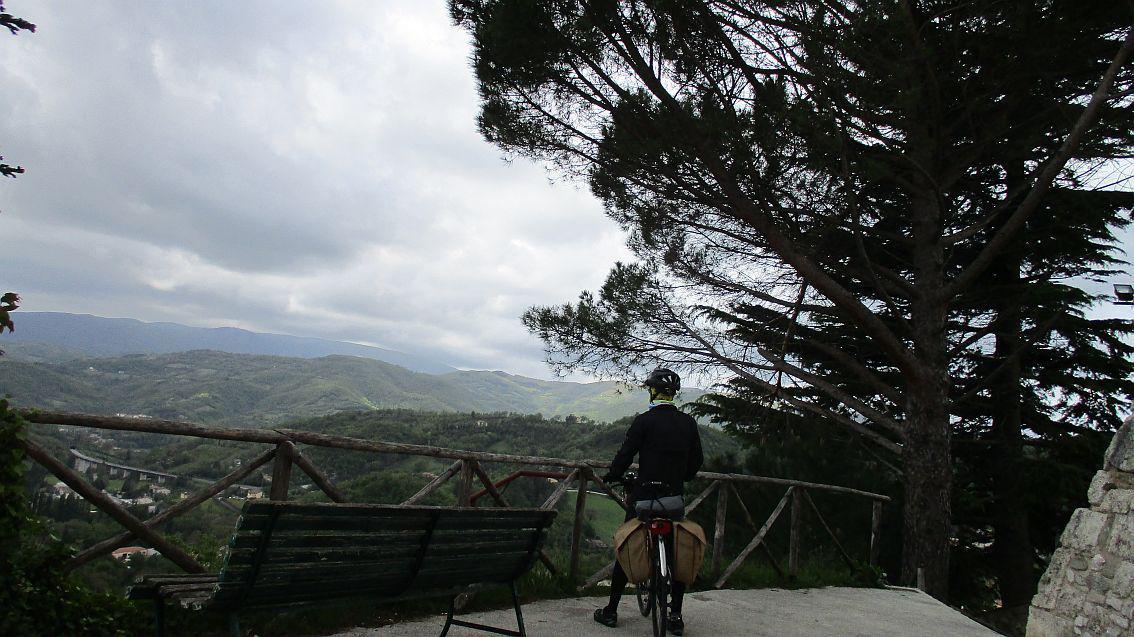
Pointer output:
301, 168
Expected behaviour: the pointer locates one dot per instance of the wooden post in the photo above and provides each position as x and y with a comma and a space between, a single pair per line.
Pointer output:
111, 508
793, 537
599, 575
605, 488
756, 541
321, 480
830, 532
489, 486
464, 483
875, 532
552, 500
719, 530
434, 484
577, 529
281, 471
701, 498
755, 529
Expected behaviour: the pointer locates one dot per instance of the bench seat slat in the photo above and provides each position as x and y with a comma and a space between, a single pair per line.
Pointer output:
320, 555
335, 523
381, 586
179, 590
503, 545
149, 586
321, 570
288, 593
314, 538
265, 507
474, 565
288, 555
426, 581
360, 523
315, 571
251, 539
456, 536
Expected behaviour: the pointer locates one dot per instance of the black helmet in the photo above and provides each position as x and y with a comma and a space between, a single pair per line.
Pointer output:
665, 381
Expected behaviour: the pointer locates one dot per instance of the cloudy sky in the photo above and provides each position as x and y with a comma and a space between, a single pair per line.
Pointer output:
300, 168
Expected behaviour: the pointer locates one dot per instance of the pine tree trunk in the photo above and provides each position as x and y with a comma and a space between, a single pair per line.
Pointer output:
927, 461
927, 454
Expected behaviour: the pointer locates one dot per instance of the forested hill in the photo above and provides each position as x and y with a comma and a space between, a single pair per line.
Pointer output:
59, 336
246, 390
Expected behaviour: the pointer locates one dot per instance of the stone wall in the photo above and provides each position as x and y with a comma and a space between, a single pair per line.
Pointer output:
1088, 588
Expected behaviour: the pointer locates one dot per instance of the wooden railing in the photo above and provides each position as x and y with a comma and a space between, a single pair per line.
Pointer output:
284, 454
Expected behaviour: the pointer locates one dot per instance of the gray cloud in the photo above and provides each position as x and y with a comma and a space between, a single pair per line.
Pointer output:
308, 169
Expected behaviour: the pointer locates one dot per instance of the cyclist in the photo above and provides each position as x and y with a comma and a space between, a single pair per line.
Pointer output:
668, 447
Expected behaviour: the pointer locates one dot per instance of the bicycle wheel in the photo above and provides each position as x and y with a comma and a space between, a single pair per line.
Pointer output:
659, 588
645, 599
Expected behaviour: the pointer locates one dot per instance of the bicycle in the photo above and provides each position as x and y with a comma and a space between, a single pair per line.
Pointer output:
659, 515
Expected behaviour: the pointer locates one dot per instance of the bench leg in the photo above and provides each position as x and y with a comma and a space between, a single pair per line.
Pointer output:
449, 617
519, 613
449, 621
159, 617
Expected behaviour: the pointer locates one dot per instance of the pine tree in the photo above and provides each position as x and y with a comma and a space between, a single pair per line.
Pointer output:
848, 169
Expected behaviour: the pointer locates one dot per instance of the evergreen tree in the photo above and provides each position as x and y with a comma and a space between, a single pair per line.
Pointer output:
846, 172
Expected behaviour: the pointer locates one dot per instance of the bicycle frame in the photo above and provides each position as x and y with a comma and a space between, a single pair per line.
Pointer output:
659, 529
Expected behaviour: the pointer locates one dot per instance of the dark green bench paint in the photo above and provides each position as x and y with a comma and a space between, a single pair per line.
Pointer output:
291, 554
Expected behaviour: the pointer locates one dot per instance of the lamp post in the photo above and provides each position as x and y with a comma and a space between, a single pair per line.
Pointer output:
1125, 294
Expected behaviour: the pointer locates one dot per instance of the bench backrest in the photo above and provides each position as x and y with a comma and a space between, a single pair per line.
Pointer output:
286, 553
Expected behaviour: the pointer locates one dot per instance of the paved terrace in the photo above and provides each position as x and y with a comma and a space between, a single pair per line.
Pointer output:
818, 612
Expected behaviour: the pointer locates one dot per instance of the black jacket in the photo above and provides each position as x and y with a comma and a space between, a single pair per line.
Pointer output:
668, 447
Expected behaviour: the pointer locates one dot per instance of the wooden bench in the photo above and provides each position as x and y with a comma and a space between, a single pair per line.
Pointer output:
290, 555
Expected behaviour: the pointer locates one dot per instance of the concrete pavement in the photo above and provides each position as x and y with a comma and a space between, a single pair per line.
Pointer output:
817, 612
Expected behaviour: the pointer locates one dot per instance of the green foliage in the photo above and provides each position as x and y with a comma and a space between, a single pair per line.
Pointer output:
13, 501
38, 598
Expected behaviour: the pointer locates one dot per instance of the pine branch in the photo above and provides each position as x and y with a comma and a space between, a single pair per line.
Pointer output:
14, 24
1012, 227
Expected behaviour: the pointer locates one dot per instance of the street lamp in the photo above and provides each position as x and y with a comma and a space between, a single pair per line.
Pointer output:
1125, 294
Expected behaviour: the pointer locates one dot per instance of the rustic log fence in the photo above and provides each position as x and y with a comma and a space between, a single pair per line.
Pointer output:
467, 468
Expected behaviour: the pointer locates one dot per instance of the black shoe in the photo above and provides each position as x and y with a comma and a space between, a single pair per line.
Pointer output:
606, 617
676, 626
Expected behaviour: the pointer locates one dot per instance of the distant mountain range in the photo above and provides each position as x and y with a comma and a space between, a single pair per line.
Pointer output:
57, 337
78, 362
247, 390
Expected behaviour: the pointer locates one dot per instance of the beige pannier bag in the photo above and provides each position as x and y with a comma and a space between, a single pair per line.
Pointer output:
688, 551
632, 546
